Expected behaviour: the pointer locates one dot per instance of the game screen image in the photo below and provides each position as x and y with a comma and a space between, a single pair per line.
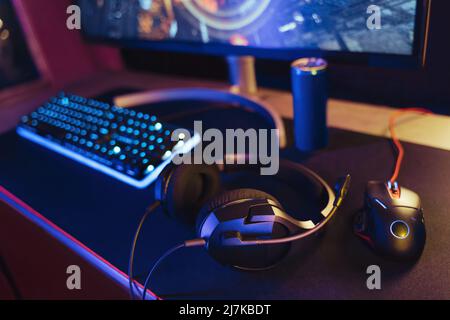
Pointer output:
331, 25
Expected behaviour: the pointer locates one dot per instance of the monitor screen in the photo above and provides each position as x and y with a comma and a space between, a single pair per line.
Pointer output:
355, 26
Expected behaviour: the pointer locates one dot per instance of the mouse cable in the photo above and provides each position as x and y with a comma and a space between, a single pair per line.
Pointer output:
400, 150
186, 244
131, 281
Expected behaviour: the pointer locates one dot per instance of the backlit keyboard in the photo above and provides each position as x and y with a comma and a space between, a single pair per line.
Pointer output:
131, 146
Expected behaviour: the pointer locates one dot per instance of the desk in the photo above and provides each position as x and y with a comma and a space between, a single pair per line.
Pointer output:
102, 213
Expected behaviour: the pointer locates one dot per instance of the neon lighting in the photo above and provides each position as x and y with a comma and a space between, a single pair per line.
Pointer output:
380, 203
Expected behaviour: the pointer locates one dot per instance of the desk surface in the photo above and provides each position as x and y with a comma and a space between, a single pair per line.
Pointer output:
103, 214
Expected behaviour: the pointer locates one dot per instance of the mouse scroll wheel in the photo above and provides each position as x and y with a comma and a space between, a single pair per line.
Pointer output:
400, 229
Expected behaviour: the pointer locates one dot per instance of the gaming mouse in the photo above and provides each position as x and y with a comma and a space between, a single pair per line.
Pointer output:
392, 221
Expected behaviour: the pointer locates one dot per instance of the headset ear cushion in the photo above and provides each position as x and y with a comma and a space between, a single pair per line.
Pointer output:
188, 187
228, 197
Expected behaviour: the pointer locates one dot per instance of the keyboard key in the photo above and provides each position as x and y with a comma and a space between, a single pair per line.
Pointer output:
128, 145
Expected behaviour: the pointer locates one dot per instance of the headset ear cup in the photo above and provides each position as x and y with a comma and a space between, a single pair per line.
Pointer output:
226, 213
161, 184
228, 197
187, 188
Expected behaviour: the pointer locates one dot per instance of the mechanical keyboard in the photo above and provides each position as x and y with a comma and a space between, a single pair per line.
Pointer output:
131, 146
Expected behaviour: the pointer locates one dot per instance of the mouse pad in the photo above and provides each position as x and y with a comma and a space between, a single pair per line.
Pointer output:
103, 213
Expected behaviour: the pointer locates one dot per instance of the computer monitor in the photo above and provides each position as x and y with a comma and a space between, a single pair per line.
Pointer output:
387, 32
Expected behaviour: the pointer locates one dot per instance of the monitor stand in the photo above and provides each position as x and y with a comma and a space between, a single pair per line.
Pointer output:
243, 93
242, 74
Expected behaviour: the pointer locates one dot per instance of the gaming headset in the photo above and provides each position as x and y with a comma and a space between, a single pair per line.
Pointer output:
244, 228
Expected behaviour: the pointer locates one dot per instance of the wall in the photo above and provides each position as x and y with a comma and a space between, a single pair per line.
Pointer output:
61, 54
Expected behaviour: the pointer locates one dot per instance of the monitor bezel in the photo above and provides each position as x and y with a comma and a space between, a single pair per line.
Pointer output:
415, 60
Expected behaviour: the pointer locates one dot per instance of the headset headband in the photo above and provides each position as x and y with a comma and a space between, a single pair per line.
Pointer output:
291, 173
334, 200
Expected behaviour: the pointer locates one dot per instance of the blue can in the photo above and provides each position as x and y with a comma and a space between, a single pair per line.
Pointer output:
310, 94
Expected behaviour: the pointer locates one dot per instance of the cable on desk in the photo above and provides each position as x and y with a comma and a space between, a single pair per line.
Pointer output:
186, 244
396, 141
148, 211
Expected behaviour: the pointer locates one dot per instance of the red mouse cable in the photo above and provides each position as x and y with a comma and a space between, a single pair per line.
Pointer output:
400, 150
